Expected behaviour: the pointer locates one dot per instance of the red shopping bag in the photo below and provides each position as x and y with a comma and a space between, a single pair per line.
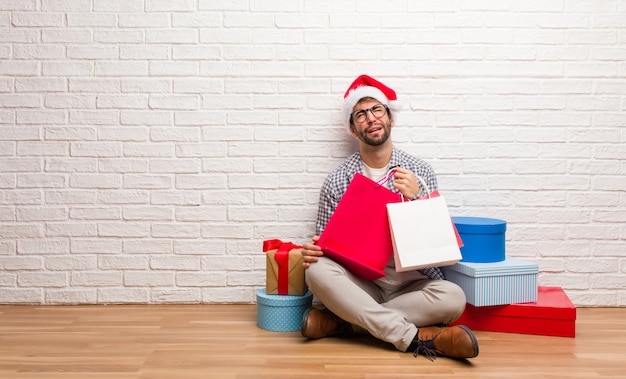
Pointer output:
357, 235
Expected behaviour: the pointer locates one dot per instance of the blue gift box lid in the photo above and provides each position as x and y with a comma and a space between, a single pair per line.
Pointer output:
283, 300
479, 225
510, 266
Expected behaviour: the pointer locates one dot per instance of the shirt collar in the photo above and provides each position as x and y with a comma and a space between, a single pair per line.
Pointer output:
354, 163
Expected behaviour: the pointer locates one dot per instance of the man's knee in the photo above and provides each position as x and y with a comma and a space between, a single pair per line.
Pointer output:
320, 271
455, 300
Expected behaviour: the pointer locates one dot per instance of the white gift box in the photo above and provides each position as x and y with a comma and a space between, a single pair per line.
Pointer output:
511, 281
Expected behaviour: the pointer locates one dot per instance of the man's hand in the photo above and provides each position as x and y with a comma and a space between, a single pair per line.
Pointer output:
311, 252
405, 181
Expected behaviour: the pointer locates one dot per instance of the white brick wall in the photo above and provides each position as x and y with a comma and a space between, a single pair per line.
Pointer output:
148, 147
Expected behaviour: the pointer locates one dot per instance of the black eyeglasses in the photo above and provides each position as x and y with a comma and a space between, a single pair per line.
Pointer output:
378, 111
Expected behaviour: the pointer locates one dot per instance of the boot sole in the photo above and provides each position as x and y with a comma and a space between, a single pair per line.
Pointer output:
473, 337
305, 316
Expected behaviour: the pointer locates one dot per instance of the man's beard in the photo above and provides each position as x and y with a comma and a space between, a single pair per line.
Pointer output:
363, 136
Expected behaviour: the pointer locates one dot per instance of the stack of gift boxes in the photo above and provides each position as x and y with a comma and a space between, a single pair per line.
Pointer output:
502, 292
284, 300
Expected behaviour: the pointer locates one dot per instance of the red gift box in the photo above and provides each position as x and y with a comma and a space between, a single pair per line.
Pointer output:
553, 314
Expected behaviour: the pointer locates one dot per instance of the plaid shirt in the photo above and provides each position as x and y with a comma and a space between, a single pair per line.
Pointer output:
337, 183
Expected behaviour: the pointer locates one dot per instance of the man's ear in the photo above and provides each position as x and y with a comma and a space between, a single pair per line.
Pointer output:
352, 130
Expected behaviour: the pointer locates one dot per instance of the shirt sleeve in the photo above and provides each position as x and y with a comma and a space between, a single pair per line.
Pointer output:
329, 199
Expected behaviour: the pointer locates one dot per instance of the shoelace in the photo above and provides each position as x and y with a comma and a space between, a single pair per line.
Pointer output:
422, 347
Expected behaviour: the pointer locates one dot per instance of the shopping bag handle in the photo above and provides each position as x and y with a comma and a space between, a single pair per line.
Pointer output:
392, 171
423, 183
386, 178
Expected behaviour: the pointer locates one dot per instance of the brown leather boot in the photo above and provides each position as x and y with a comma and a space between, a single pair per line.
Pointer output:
455, 342
320, 323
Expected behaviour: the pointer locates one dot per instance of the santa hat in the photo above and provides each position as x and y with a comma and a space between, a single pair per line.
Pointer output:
366, 86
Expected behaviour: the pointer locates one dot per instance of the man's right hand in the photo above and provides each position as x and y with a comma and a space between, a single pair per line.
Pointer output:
311, 252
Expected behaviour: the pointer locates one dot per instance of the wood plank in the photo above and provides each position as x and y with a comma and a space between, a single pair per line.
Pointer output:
223, 341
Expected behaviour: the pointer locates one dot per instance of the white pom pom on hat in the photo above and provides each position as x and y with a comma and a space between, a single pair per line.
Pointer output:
366, 86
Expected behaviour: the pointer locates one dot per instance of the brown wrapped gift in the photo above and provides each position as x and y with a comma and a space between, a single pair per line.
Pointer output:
284, 269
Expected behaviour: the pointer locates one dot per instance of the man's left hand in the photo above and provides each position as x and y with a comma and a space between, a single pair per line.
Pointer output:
405, 181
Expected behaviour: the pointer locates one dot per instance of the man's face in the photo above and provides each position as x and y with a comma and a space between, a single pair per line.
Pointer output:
373, 131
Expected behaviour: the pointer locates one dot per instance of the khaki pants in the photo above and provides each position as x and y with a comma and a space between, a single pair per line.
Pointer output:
391, 308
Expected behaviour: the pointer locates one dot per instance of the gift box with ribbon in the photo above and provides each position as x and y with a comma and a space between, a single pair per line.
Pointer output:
284, 269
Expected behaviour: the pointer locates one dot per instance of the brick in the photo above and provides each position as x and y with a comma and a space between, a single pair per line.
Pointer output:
42, 279
6, 214
123, 262
118, 5
22, 197
121, 68
71, 229
38, 52
124, 197
175, 230
49, 246
88, 117
66, 36
142, 213
30, 214
125, 36
99, 85
122, 102
202, 279
177, 296
73, 165
164, 68
203, 213
178, 263
142, 246
21, 263
176, 198
145, 118
34, 19
21, 295
153, 182
96, 246
123, 166
70, 296
148, 279
92, 19
172, 36
63, 101
95, 181
180, 134
144, 20
221, 295
61, 263
198, 20
124, 229
41, 117
123, 296
27, 148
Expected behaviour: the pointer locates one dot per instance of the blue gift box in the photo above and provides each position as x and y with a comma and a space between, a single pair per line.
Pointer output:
483, 238
281, 313
511, 281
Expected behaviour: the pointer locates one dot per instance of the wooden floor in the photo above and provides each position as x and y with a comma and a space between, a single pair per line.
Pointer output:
222, 341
